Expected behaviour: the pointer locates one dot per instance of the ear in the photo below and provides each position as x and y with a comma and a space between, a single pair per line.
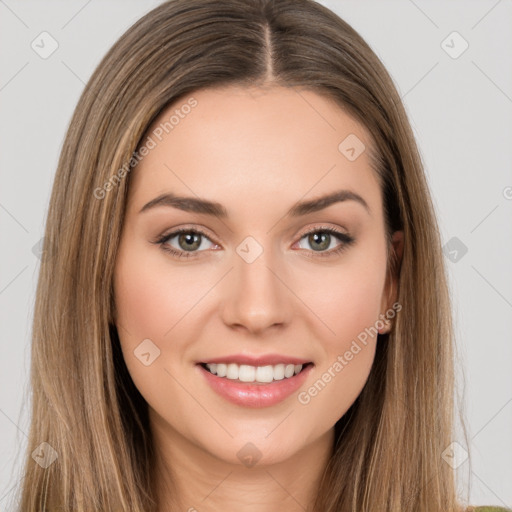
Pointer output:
390, 293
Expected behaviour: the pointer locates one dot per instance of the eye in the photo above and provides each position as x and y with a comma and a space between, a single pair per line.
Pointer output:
188, 241
322, 238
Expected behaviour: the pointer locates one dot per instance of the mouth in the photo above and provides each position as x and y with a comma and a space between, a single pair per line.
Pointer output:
255, 386
244, 373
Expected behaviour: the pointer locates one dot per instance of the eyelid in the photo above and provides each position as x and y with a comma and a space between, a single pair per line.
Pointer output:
188, 228
314, 229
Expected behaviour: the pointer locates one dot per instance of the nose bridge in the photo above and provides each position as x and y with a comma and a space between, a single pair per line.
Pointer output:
256, 296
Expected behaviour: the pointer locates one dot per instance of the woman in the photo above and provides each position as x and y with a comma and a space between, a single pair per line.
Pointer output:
242, 302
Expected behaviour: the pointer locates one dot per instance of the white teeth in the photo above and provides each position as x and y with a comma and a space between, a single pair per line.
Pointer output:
289, 370
247, 373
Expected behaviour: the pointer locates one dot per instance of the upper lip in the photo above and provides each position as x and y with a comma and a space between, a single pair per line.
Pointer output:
254, 360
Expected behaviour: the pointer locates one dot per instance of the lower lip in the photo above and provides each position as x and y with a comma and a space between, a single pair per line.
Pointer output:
255, 394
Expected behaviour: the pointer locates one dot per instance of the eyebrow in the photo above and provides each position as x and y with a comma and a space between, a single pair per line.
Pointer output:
206, 207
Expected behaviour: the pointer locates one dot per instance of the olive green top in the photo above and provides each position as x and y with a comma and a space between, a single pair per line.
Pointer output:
491, 509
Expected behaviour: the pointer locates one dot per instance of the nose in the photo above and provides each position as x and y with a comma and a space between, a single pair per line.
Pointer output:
256, 296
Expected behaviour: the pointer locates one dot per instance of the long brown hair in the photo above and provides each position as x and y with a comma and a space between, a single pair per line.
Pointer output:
389, 445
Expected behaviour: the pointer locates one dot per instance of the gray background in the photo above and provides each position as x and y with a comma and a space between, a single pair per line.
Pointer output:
461, 112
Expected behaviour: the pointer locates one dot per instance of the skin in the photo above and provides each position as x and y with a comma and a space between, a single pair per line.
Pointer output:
257, 152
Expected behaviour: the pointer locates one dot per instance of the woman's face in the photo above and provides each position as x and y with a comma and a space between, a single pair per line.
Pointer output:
262, 279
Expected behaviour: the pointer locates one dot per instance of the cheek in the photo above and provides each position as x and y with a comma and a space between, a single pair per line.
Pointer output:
337, 384
155, 302
351, 311
150, 297
346, 298
349, 306
148, 304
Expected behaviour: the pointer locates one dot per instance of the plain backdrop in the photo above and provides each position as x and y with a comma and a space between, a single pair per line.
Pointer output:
451, 62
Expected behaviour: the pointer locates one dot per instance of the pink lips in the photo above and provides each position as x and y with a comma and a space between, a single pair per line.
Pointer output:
255, 394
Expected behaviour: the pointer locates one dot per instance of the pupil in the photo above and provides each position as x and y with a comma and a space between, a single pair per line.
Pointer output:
189, 237
323, 235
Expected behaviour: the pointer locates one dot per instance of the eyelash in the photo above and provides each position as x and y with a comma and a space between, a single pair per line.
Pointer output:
346, 240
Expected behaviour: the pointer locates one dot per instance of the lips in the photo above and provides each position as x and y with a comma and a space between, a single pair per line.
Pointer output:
254, 360
255, 395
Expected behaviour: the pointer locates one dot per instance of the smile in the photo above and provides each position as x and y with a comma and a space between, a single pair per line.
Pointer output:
264, 385
248, 373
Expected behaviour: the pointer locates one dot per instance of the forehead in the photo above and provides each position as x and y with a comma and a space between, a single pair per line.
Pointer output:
254, 145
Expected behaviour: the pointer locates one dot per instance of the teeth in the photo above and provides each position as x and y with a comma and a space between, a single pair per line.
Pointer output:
246, 373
